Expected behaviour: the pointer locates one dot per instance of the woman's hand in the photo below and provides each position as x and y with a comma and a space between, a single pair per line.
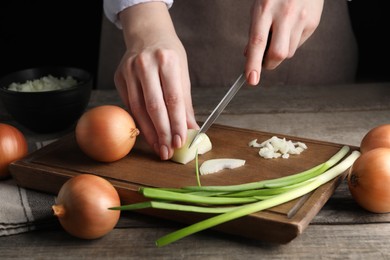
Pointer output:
152, 77
280, 27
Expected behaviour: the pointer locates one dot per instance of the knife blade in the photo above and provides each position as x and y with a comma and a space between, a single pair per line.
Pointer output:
221, 106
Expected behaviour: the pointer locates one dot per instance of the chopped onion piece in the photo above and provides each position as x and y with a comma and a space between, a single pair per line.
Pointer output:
216, 165
276, 147
184, 155
254, 143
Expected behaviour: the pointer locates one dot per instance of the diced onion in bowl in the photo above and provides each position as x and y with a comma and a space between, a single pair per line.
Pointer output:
47, 83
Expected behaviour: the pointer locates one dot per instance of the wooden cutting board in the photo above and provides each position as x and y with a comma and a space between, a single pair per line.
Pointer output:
48, 168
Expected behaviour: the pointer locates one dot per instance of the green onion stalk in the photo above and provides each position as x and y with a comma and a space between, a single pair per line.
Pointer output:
235, 201
260, 205
283, 181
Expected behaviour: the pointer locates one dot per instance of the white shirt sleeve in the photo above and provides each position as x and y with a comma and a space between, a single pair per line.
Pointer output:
113, 7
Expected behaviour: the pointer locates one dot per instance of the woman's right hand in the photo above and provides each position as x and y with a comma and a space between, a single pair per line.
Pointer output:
152, 78
290, 23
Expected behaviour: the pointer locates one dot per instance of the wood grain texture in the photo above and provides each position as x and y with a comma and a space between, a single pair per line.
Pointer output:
368, 241
340, 230
48, 168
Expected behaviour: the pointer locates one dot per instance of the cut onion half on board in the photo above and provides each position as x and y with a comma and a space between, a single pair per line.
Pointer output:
185, 154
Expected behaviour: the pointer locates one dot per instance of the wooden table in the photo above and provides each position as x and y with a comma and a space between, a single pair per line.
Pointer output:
341, 230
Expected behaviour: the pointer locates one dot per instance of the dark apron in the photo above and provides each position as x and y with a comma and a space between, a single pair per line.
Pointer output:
215, 33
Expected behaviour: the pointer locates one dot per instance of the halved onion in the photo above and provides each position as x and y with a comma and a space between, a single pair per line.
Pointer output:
185, 154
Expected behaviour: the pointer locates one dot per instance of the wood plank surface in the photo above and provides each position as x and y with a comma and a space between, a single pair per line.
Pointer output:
341, 230
363, 241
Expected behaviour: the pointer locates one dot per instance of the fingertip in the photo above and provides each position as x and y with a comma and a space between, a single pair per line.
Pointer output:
164, 152
177, 141
253, 78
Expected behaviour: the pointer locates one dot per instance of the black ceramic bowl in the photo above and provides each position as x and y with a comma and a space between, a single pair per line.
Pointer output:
47, 111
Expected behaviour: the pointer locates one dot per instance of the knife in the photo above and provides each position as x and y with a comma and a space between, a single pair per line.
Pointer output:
221, 106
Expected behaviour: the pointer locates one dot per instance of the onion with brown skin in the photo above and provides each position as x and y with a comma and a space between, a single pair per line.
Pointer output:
369, 180
106, 133
378, 136
82, 206
13, 146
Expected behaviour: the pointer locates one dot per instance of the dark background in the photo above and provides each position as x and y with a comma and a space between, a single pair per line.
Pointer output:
371, 23
41, 32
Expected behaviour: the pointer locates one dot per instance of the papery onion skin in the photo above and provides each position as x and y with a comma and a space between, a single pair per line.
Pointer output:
13, 146
369, 180
378, 136
82, 206
106, 133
